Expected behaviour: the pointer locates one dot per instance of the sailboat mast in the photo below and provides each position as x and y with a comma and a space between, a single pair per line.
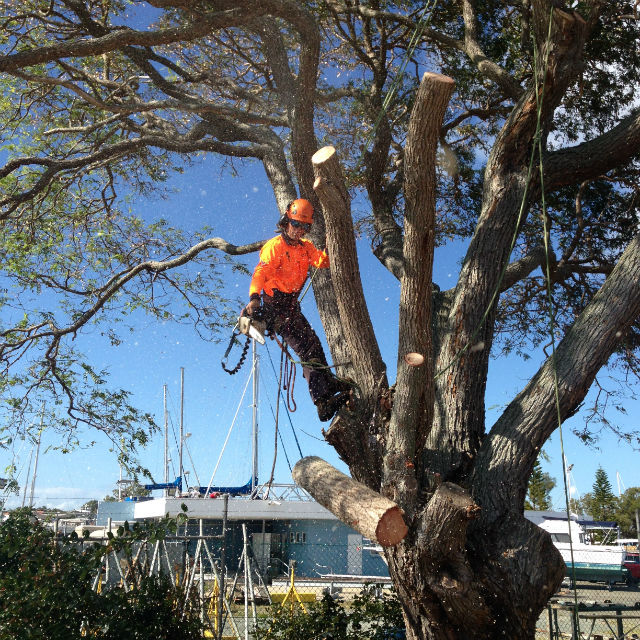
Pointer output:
181, 423
254, 433
166, 438
26, 482
35, 464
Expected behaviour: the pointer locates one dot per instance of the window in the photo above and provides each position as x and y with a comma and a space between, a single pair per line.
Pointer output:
297, 537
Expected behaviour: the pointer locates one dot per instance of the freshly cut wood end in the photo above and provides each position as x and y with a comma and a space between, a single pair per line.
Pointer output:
414, 359
392, 528
322, 155
438, 77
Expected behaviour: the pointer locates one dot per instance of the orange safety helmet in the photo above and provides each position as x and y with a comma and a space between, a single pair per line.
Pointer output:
300, 210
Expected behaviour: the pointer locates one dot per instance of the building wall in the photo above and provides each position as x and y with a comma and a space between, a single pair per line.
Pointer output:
321, 547
117, 511
318, 547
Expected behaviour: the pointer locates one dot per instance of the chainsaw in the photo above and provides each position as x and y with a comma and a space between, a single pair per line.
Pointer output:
253, 327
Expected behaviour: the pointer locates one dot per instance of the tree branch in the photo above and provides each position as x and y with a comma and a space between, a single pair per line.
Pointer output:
595, 157
479, 58
16, 338
413, 403
508, 189
531, 417
123, 36
374, 516
345, 272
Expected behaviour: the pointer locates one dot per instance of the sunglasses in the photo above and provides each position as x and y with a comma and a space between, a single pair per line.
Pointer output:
299, 225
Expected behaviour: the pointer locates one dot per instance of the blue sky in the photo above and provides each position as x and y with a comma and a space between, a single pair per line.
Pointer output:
153, 355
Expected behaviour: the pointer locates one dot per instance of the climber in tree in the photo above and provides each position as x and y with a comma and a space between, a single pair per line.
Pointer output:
277, 281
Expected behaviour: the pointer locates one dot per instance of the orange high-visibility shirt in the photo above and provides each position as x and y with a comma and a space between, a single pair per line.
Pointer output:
284, 266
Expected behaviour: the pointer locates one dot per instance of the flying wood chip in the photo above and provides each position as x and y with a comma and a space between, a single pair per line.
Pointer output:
414, 359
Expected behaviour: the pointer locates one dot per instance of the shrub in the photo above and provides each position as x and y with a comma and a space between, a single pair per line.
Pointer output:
46, 591
368, 617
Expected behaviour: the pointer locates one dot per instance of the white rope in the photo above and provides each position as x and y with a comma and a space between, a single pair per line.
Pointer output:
229, 433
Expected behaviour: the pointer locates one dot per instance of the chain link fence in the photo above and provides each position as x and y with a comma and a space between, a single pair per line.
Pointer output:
240, 577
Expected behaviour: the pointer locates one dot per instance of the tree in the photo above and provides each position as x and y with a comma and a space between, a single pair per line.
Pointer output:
601, 503
532, 106
539, 489
91, 506
625, 515
133, 488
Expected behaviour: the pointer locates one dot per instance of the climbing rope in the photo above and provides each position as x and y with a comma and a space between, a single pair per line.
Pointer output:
552, 320
275, 442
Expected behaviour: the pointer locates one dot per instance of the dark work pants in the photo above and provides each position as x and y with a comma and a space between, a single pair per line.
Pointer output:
283, 315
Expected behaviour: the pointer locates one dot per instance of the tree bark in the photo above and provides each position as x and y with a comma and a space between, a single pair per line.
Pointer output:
413, 402
345, 271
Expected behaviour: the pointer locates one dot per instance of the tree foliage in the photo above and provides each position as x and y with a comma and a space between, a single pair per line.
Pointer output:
370, 616
539, 490
537, 173
625, 515
46, 590
601, 503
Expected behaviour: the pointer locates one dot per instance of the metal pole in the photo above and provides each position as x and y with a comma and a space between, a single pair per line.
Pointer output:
35, 464
246, 583
225, 512
247, 560
254, 466
638, 530
166, 438
201, 574
181, 422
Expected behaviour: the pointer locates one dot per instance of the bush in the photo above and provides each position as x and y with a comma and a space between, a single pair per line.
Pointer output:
46, 592
367, 617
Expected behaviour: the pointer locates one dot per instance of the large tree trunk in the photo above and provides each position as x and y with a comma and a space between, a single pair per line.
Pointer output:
471, 565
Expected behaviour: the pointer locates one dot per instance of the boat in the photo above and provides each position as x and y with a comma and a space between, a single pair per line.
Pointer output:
585, 560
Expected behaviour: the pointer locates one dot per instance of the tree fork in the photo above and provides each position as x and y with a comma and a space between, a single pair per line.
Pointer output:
366, 511
447, 585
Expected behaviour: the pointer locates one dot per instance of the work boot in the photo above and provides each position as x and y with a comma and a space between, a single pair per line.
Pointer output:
329, 406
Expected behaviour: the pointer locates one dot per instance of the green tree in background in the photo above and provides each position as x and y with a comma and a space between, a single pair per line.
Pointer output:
539, 490
625, 515
91, 506
133, 489
600, 503
603, 504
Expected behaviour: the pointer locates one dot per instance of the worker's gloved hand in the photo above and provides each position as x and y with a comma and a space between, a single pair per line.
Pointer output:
252, 306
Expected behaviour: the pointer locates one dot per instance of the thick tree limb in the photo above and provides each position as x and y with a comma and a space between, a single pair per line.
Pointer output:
519, 434
460, 411
594, 157
366, 511
345, 271
413, 403
113, 41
